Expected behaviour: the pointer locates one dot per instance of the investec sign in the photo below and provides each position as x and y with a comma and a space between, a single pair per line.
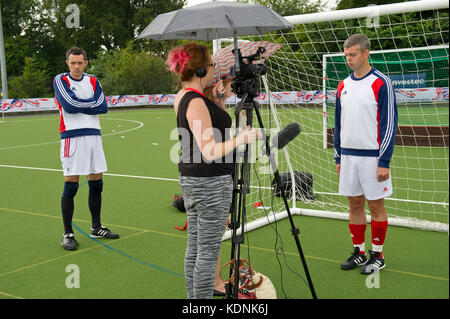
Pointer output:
409, 81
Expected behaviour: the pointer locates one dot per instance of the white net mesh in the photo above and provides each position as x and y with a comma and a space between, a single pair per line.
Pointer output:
412, 49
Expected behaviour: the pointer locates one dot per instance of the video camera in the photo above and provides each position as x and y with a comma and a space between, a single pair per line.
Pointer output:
246, 80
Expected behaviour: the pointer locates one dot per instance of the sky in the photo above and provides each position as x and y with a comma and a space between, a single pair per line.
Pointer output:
330, 3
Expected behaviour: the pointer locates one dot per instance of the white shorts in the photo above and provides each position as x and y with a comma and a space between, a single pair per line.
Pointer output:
83, 155
358, 176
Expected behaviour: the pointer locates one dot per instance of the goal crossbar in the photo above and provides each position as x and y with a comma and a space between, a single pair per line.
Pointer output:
369, 11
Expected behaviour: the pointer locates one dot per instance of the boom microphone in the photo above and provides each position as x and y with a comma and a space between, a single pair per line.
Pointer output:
286, 135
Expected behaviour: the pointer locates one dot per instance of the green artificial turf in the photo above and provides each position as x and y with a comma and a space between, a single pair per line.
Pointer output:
147, 261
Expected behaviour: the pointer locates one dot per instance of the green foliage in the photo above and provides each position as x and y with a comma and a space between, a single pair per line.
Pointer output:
33, 83
128, 71
348, 4
289, 7
308, 43
37, 29
104, 25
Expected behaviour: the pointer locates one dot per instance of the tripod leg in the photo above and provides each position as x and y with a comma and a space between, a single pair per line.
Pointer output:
242, 186
234, 225
295, 231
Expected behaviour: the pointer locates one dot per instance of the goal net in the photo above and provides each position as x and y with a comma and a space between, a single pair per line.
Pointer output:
410, 45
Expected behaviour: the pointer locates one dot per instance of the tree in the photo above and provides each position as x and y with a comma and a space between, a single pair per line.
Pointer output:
348, 4
289, 7
33, 83
38, 29
131, 71
17, 16
104, 25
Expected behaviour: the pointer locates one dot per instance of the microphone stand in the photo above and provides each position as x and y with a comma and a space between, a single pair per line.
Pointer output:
294, 230
241, 188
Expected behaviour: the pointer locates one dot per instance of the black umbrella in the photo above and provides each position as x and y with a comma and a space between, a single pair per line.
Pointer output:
214, 20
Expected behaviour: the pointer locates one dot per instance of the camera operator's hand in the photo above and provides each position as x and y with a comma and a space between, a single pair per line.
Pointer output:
247, 136
218, 94
218, 88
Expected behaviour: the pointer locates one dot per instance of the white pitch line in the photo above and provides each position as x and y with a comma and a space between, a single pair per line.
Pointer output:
144, 177
129, 130
28, 145
32, 168
58, 141
106, 174
177, 180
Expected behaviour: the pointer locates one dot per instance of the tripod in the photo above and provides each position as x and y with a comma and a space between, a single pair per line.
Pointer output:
241, 189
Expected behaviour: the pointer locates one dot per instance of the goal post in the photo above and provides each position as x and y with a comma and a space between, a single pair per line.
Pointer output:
410, 43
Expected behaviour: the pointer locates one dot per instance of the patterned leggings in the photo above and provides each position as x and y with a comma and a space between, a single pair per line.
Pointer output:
207, 201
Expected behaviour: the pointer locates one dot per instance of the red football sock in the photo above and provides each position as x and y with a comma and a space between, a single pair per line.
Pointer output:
379, 229
358, 236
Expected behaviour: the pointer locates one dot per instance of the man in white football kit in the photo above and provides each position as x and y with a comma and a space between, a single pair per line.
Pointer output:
80, 99
365, 128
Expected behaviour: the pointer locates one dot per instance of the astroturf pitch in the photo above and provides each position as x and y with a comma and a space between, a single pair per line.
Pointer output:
147, 260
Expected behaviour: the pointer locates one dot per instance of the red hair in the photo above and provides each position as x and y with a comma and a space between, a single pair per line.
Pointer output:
184, 60
177, 60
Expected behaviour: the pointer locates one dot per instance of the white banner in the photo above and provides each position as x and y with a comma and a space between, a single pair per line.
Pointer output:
429, 95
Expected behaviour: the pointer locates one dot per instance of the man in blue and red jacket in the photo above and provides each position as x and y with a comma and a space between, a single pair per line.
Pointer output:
80, 99
366, 122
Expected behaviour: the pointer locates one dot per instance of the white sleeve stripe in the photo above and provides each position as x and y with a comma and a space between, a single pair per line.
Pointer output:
73, 102
77, 103
336, 155
390, 118
66, 96
390, 128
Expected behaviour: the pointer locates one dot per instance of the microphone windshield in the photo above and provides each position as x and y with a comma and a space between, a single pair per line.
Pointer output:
286, 135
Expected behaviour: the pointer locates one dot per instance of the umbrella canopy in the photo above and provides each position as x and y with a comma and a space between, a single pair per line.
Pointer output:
224, 58
214, 20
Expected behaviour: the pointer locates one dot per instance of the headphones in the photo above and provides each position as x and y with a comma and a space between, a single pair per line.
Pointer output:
202, 71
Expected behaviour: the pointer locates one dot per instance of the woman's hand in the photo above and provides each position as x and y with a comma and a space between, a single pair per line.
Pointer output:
219, 89
247, 136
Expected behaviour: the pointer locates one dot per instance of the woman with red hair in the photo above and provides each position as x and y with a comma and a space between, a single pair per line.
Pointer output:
206, 164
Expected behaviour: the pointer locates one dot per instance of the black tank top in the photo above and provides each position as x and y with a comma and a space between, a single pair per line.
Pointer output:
191, 162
